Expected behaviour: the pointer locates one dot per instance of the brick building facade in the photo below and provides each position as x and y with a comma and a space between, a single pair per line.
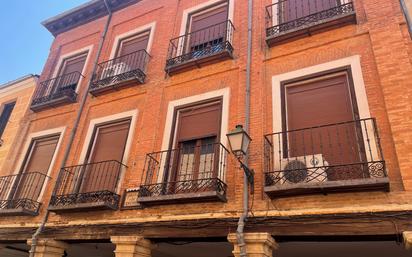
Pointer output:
136, 148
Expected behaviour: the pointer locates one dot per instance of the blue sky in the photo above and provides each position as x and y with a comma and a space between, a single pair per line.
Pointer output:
24, 42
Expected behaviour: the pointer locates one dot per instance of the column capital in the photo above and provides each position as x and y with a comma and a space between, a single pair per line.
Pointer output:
257, 244
407, 239
132, 246
48, 247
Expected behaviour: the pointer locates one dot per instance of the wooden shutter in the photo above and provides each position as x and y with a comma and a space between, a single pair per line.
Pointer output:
322, 102
5, 116
199, 122
134, 44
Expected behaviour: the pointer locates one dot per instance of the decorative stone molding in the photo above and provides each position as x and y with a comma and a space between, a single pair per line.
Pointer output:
48, 248
407, 239
132, 246
257, 244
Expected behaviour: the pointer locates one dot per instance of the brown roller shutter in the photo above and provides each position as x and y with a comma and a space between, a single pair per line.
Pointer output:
322, 102
108, 144
134, 44
73, 64
38, 159
295, 9
209, 18
199, 122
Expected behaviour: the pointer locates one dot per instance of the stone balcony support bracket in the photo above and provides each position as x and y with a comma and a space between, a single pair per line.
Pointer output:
132, 246
48, 248
257, 244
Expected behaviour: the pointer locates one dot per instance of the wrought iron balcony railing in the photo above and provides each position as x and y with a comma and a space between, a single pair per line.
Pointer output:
200, 47
87, 186
120, 71
19, 193
184, 175
56, 91
345, 156
297, 17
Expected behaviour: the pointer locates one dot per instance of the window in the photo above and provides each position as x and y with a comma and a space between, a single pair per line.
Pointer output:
295, 9
108, 144
319, 116
5, 116
198, 131
207, 27
407, 9
35, 167
133, 44
70, 72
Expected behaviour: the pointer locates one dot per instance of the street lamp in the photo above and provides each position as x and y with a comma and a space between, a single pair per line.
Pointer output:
239, 141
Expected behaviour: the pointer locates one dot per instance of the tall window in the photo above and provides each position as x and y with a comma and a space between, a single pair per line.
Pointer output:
5, 116
198, 131
70, 70
108, 144
208, 27
133, 44
295, 9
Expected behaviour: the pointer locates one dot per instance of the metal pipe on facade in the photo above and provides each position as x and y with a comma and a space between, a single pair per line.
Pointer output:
75, 126
242, 219
407, 16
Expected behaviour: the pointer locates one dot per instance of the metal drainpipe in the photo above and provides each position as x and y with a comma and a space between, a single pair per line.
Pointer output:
242, 219
75, 126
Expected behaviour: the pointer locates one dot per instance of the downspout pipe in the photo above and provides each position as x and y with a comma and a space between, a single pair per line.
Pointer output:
40, 229
407, 13
243, 217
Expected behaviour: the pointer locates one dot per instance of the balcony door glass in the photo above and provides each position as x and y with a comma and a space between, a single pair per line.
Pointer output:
70, 71
35, 167
207, 28
296, 9
310, 105
108, 144
198, 130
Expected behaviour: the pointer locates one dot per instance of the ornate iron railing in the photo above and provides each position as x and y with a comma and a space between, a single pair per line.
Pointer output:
288, 15
21, 191
52, 89
185, 170
336, 152
120, 69
202, 43
88, 183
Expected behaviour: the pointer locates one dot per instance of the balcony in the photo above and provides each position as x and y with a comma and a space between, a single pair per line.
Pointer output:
120, 72
199, 48
19, 194
291, 19
86, 187
325, 159
56, 91
186, 175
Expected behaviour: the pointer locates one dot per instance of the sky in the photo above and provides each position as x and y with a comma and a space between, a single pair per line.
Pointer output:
24, 42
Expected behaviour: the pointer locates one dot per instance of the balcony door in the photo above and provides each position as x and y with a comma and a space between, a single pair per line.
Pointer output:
320, 116
69, 73
35, 167
198, 132
108, 144
207, 28
129, 54
295, 9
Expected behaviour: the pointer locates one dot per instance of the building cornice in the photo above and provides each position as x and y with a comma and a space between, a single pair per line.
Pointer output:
83, 14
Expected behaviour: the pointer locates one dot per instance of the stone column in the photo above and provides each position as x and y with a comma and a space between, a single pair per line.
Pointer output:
257, 244
48, 248
407, 239
132, 246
